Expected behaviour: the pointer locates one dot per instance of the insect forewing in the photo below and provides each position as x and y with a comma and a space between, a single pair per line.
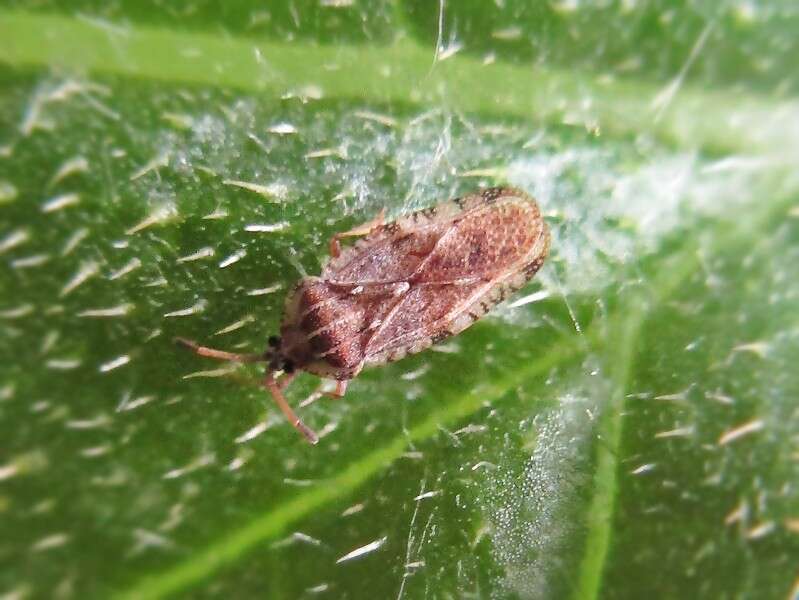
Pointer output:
459, 259
389, 254
484, 243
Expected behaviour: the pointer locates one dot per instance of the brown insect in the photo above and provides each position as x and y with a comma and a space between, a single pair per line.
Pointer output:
403, 287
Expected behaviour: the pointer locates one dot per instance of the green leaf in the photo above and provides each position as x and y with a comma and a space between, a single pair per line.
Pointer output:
624, 427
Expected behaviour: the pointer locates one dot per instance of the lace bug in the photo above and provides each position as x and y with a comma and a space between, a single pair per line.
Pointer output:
404, 286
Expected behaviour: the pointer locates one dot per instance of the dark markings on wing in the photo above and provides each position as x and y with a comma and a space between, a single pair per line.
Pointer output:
440, 336
533, 266
490, 195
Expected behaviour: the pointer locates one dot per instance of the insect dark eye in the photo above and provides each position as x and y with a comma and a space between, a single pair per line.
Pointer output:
288, 367
273, 341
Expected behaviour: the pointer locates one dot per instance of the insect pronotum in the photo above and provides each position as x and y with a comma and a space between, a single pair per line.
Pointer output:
403, 287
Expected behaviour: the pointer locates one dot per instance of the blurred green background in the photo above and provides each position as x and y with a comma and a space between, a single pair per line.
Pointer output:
624, 427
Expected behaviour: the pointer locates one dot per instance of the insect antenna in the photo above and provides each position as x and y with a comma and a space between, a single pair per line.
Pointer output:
277, 395
269, 380
220, 354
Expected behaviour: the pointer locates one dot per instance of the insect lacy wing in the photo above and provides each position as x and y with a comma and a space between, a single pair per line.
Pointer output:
422, 315
474, 244
484, 244
389, 254
482, 257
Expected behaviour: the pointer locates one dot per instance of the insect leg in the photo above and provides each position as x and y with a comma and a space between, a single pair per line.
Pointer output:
341, 389
286, 379
277, 395
363, 229
219, 354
